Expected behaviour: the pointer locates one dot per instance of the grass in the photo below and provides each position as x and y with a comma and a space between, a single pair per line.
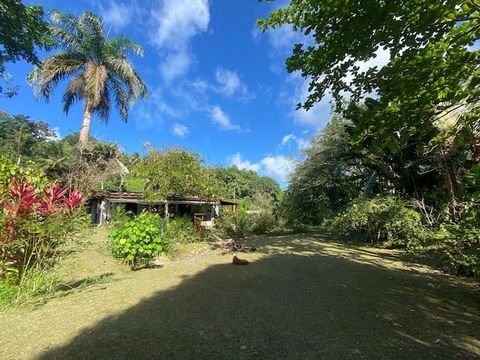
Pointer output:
301, 297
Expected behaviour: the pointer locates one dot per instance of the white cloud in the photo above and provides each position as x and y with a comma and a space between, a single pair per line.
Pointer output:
236, 160
301, 143
283, 38
176, 23
118, 15
152, 112
317, 116
278, 167
228, 80
287, 138
229, 84
179, 129
221, 118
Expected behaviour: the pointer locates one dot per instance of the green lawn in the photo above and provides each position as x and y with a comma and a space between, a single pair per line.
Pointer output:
302, 297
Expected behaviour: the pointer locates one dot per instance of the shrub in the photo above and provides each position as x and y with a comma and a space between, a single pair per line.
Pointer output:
381, 219
463, 242
138, 241
235, 224
119, 216
263, 222
34, 225
180, 230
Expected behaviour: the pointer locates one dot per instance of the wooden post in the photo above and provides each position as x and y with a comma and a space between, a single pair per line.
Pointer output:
166, 210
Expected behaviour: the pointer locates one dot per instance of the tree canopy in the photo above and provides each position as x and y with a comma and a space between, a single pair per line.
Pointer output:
23, 29
432, 66
175, 172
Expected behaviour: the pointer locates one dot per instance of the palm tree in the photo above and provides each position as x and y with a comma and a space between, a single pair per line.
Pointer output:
97, 66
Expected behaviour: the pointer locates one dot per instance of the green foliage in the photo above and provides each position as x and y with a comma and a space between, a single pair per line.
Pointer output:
119, 216
29, 173
245, 184
138, 241
175, 172
234, 224
37, 285
383, 219
431, 62
180, 230
98, 67
39, 242
22, 30
327, 180
20, 137
263, 222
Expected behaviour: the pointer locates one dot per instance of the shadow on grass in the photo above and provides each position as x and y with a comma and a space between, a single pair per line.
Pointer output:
298, 303
84, 282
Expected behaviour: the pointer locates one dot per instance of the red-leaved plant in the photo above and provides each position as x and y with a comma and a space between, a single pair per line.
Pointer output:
22, 200
29, 215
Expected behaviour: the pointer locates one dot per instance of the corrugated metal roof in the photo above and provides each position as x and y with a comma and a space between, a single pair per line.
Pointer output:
138, 197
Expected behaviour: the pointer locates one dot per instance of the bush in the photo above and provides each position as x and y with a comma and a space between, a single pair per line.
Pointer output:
34, 226
263, 222
138, 241
379, 220
463, 243
235, 224
119, 216
180, 230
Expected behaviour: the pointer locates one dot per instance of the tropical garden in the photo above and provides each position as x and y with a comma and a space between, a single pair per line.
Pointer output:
395, 171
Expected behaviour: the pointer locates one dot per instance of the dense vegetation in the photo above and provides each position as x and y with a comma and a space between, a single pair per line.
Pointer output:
398, 164
403, 149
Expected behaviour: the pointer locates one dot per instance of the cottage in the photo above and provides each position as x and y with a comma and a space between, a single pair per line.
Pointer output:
201, 209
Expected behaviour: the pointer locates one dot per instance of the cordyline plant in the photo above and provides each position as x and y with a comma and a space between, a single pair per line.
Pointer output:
32, 221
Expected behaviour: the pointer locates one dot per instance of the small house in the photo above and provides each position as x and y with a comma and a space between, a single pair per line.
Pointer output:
201, 209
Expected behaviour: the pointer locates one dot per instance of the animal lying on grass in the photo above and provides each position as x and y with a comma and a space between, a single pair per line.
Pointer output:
237, 261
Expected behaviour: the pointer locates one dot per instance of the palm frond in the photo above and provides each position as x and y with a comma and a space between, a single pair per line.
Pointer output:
55, 68
103, 107
74, 92
121, 68
65, 31
99, 67
95, 83
93, 37
122, 97
122, 46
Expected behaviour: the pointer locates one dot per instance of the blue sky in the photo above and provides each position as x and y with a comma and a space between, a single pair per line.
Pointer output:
216, 85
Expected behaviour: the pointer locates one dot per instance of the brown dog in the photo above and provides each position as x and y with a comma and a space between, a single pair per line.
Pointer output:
237, 261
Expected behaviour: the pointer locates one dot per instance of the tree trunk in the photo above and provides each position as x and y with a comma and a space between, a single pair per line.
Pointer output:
85, 129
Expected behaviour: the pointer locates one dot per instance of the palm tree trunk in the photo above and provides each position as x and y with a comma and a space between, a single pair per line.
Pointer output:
85, 129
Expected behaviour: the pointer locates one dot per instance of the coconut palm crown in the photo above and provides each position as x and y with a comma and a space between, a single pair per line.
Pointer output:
97, 67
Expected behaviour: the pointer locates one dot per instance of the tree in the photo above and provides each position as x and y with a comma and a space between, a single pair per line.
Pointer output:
328, 179
22, 28
20, 136
246, 184
98, 68
175, 172
432, 62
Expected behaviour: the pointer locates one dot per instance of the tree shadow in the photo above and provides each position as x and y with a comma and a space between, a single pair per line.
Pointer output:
305, 304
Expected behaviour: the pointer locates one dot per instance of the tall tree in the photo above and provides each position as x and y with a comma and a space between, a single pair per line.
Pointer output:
97, 66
